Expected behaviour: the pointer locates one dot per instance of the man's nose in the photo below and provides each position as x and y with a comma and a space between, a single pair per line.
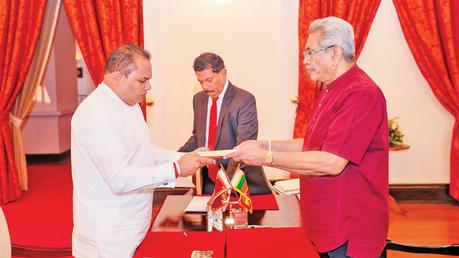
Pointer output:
306, 59
206, 86
147, 86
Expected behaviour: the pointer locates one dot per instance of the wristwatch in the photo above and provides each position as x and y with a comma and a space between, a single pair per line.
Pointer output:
269, 158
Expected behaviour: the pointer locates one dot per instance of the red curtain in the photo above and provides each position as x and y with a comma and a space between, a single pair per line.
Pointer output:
20, 25
101, 26
431, 29
360, 13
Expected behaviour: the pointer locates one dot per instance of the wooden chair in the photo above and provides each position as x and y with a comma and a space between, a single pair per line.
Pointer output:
197, 180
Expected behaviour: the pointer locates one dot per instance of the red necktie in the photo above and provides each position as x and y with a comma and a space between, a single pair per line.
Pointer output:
211, 140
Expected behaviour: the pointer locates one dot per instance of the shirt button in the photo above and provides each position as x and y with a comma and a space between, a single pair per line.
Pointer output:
326, 90
320, 104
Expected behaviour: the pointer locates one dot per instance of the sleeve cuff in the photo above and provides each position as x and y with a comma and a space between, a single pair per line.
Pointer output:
168, 175
177, 170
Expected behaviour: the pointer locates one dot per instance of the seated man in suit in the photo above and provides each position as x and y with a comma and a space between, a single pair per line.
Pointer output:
224, 116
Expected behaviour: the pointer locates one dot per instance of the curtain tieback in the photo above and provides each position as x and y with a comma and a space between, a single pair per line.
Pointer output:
16, 121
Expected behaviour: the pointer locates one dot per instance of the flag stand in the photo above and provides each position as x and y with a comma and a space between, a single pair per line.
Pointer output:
218, 216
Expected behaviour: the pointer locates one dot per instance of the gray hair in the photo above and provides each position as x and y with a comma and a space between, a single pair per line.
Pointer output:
335, 31
122, 59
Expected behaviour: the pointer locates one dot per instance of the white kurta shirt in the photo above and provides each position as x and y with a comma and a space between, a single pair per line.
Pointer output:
114, 166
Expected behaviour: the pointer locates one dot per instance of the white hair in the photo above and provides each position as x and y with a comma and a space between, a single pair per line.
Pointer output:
335, 31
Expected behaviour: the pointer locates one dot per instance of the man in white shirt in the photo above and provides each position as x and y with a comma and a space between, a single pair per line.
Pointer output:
114, 164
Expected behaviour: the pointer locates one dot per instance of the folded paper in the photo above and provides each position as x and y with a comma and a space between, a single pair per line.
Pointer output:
215, 153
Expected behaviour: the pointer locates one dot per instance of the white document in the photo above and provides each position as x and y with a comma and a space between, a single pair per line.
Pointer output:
197, 204
290, 186
184, 182
216, 153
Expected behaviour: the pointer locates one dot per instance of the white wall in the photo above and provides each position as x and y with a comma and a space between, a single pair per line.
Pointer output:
47, 130
426, 124
258, 41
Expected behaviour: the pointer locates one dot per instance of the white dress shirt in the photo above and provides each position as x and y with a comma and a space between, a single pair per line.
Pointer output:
114, 167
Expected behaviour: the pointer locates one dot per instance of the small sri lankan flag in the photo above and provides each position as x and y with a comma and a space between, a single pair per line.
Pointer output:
240, 186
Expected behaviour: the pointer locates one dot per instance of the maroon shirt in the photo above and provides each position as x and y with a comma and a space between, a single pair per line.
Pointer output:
350, 121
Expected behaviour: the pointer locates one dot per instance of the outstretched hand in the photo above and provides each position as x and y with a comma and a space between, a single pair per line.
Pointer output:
250, 152
191, 162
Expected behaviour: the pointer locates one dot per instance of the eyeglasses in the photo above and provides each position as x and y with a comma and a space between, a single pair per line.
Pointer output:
311, 52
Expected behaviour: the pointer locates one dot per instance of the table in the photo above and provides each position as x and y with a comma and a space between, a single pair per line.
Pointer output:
175, 233
172, 216
181, 244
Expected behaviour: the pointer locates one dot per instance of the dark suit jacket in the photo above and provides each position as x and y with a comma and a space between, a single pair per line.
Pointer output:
237, 122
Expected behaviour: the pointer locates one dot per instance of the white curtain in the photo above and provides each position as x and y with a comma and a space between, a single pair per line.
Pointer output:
25, 100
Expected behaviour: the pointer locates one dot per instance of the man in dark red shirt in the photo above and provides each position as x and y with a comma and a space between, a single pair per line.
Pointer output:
343, 158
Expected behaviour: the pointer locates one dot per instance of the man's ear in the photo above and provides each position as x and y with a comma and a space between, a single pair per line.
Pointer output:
118, 76
223, 72
337, 55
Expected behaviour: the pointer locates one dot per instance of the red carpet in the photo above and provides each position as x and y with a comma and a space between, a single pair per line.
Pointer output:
42, 218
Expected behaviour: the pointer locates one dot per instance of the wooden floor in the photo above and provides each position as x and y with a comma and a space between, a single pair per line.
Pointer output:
425, 224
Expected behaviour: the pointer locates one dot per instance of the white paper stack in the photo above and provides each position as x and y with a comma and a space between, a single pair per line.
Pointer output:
290, 186
215, 153
197, 204
184, 182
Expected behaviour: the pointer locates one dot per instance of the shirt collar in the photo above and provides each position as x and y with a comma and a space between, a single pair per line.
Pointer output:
222, 94
343, 77
113, 94
109, 90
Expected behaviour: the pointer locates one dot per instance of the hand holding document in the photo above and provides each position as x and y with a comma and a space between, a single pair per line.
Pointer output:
191, 161
215, 153
250, 152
